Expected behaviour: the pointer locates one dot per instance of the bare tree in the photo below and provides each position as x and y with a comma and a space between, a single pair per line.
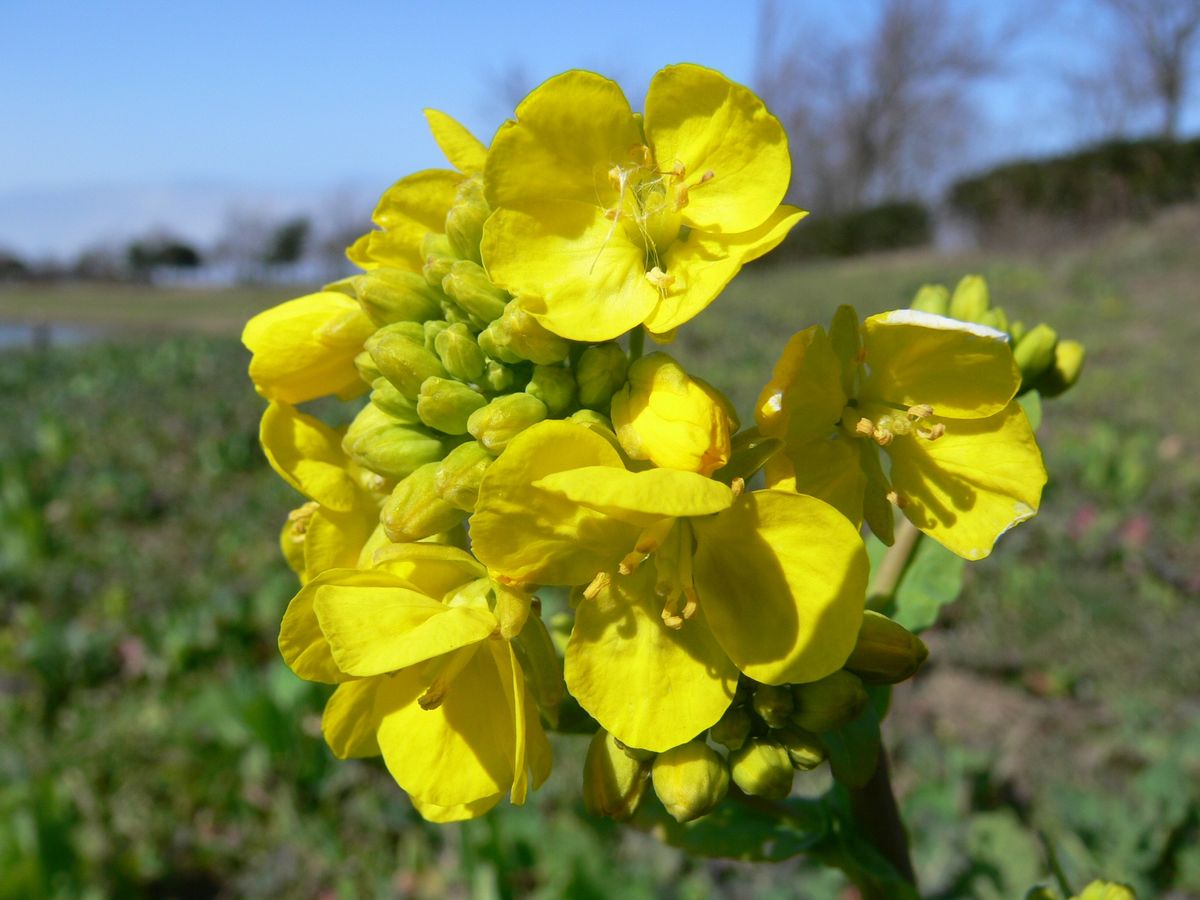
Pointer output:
1159, 40
878, 114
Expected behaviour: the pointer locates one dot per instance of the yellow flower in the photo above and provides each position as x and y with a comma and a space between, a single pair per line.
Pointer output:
675, 421
343, 519
937, 395
605, 220
423, 678
688, 581
305, 348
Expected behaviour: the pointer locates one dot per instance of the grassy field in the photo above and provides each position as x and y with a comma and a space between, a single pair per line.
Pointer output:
155, 745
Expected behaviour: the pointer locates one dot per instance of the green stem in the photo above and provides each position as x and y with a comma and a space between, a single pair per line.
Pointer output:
637, 343
895, 561
878, 820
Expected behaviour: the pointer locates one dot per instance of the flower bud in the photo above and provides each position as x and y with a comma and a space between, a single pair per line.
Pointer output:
554, 386
459, 353
367, 369
1068, 364
445, 405
613, 781
1035, 353
497, 377
597, 424
402, 361
415, 510
1016, 332
464, 221
393, 295
886, 652
503, 419
460, 473
291, 538
673, 420
830, 703
996, 318
522, 335
439, 257
690, 780
542, 666
733, 728
1107, 890
378, 442
433, 327
970, 300
932, 298
468, 285
599, 373
762, 768
773, 703
491, 344
804, 748
387, 397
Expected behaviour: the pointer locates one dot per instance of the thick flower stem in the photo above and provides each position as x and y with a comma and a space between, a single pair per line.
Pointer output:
878, 820
637, 343
895, 561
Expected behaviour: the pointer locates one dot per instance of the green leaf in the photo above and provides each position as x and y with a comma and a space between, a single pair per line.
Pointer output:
741, 827
854, 748
933, 579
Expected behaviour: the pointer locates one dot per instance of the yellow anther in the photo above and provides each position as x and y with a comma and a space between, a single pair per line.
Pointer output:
707, 176
679, 170
681, 197
612, 214
865, 427
920, 411
933, 433
434, 696
599, 583
630, 562
899, 425
616, 177
897, 499
882, 437
641, 155
660, 279
737, 486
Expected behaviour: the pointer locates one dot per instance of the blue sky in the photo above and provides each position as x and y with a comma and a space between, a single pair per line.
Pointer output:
122, 113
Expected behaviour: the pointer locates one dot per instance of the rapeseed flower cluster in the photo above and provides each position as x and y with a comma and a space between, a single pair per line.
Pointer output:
510, 437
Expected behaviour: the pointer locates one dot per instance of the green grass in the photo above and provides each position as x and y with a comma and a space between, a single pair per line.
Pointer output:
156, 746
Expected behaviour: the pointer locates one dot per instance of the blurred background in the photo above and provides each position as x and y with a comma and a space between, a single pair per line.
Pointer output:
167, 170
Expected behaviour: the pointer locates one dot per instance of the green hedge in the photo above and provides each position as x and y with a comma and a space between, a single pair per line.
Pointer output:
886, 227
1116, 180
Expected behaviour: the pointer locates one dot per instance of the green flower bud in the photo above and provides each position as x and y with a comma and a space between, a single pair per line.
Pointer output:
520, 333
690, 780
554, 386
468, 285
600, 373
773, 703
1068, 364
439, 257
464, 221
393, 295
886, 652
433, 328
460, 473
378, 442
387, 397
762, 768
733, 728
830, 703
804, 749
996, 318
970, 300
490, 342
542, 666
445, 405
415, 510
599, 424
1017, 331
613, 781
932, 298
1106, 890
497, 377
367, 368
459, 353
402, 361
503, 419
1035, 352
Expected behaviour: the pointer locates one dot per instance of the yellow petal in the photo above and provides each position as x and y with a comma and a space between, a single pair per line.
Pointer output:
783, 579
804, 398
830, 469
575, 271
639, 498
432, 569
651, 686
961, 369
350, 721
335, 540
458, 753
968, 487
734, 152
537, 536
431, 812
703, 263
297, 357
308, 455
569, 132
374, 629
462, 149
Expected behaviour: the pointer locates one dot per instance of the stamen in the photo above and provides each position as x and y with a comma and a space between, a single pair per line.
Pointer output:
433, 697
681, 197
933, 433
660, 279
882, 437
861, 355
737, 486
897, 499
865, 427
679, 170
920, 411
599, 583
707, 176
